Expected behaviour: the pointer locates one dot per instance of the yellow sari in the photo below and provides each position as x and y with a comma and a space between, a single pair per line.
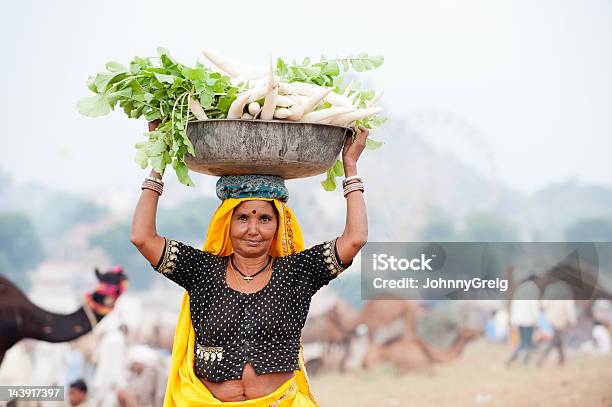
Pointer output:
184, 388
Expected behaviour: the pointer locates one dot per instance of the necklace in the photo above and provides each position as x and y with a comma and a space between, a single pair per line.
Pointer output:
239, 283
248, 279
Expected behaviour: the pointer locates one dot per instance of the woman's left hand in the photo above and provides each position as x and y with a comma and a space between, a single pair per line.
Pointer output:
353, 148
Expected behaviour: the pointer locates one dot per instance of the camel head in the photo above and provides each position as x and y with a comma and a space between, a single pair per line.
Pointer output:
111, 284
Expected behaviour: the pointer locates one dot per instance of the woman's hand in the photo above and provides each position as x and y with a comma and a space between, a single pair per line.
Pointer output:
152, 126
353, 148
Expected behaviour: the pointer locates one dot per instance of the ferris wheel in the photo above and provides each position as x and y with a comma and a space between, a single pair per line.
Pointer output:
452, 134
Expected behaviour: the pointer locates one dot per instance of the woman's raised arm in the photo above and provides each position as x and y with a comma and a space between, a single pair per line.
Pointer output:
355, 233
144, 233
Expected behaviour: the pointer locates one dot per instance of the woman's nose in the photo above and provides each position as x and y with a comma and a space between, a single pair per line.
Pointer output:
252, 227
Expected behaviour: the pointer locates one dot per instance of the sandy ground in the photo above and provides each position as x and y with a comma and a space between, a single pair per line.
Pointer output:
478, 378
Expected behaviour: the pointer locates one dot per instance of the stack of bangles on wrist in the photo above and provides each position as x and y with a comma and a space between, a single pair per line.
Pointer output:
353, 183
153, 184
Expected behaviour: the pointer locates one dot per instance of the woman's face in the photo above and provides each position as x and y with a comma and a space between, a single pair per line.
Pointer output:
253, 227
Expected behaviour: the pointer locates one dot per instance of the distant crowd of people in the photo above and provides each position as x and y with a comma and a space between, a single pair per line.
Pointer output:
141, 382
118, 373
551, 315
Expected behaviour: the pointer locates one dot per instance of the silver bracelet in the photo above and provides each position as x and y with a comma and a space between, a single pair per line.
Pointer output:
153, 186
354, 186
159, 181
351, 178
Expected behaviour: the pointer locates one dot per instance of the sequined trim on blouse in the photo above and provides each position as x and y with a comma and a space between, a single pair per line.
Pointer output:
329, 256
170, 256
209, 353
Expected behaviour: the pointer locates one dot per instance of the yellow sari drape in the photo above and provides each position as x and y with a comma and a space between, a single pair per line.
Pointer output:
184, 388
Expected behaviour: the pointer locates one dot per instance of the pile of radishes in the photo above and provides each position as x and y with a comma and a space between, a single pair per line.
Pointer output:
266, 97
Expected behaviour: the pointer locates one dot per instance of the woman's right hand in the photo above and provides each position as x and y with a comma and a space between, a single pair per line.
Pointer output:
152, 126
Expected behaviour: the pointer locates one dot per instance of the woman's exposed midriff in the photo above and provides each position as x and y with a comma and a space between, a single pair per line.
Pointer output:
251, 386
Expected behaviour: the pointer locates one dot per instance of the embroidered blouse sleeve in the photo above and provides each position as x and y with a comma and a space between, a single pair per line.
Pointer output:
317, 266
183, 264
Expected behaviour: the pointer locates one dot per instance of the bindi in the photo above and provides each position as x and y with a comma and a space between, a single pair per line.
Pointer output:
254, 212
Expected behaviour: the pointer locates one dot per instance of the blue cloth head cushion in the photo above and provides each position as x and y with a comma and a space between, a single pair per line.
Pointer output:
252, 186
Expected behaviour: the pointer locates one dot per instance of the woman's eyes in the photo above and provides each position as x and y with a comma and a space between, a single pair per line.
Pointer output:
264, 218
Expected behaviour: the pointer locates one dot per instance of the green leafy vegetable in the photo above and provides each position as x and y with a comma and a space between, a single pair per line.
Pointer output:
157, 88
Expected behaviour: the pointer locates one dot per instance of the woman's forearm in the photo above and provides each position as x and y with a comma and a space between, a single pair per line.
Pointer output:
143, 224
355, 233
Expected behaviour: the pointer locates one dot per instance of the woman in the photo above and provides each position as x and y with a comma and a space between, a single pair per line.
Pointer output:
248, 292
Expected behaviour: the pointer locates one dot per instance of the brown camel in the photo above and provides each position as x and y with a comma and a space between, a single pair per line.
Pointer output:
414, 354
380, 314
401, 347
20, 318
404, 349
329, 326
326, 331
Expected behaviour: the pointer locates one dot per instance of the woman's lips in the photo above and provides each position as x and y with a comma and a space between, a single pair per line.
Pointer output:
252, 242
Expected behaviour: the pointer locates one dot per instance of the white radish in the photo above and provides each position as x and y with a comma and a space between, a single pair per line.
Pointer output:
269, 106
377, 95
348, 89
322, 115
333, 98
352, 98
254, 108
338, 100
315, 99
356, 115
257, 93
297, 110
235, 110
196, 108
233, 67
305, 89
246, 116
282, 113
284, 101
303, 99
287, 89
299, 101
237, 80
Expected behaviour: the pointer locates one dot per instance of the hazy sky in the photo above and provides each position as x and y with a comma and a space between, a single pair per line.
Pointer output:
532, 78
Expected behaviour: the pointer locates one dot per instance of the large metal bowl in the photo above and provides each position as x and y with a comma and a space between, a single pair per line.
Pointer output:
282, 148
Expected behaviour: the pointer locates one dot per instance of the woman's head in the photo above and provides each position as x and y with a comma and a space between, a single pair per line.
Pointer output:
253, 227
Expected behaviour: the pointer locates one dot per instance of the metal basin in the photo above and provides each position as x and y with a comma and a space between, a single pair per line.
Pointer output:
282, 148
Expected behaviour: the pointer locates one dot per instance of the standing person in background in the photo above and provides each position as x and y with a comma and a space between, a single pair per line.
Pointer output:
560, 309
602, 330
110, 371
142, 385
524, 313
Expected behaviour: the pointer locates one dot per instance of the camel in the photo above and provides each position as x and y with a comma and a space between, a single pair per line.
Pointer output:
325, 341
402, 347
380, 314
20, 318
415, 354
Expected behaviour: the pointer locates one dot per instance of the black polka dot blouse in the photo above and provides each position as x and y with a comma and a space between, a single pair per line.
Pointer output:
261, 328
